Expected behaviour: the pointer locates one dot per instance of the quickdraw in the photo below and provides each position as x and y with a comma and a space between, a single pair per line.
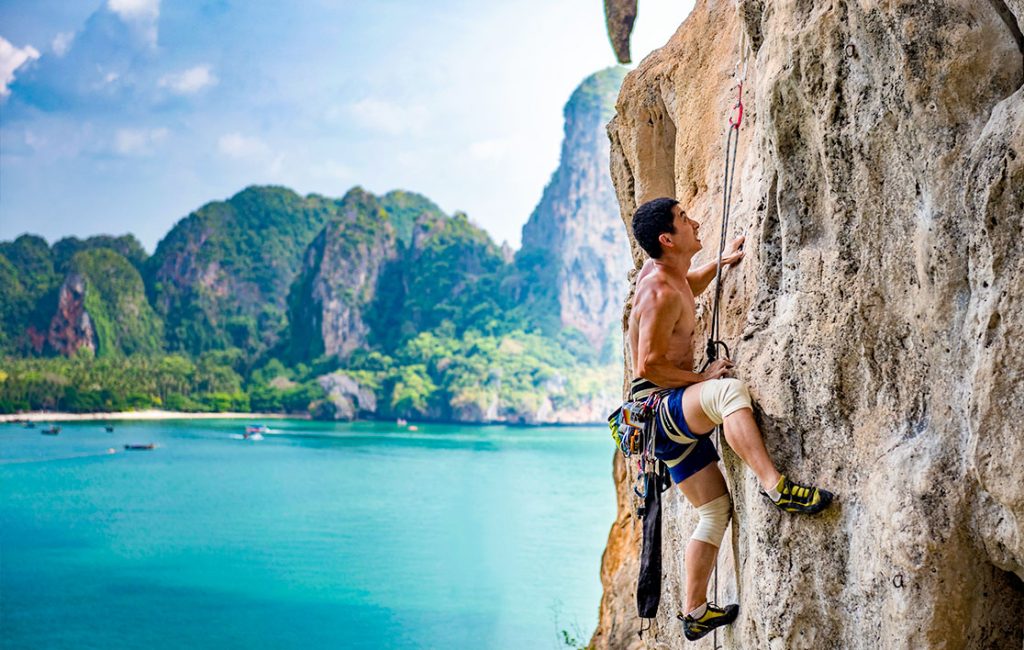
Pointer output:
632, 426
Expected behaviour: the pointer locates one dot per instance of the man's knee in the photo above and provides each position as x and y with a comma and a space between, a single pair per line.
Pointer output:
720, 398
714, 517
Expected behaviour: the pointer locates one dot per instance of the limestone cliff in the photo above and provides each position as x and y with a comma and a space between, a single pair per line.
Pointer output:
71, 327
574, 255
876, 315
221, 276
101, 307
338, 279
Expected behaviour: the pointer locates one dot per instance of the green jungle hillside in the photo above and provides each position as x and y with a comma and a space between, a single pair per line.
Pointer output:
359, 306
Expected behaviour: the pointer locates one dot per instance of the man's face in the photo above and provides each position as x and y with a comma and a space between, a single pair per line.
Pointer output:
685, 237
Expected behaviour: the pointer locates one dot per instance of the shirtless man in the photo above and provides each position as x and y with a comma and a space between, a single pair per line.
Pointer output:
661, 328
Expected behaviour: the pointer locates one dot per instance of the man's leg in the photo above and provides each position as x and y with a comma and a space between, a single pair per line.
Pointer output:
740, 430
703, 487
727, 401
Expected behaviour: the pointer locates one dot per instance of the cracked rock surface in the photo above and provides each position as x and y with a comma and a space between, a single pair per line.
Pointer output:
877, 316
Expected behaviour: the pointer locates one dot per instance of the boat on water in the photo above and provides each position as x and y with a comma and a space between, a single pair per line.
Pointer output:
256, 430
246, 436
29, 424
51, 430
413, 427
402, 422
139, 446
109, 428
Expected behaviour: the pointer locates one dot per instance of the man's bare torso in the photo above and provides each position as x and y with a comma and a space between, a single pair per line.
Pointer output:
650, 282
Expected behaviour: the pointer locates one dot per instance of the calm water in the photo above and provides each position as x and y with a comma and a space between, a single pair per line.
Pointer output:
318, 536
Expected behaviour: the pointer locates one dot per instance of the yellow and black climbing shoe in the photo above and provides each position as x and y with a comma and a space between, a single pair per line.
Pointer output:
695, 628
801, 499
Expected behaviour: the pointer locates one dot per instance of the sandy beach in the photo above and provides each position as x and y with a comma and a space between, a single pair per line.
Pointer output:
149, 414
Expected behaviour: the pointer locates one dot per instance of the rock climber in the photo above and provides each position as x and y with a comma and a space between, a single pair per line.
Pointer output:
661, 329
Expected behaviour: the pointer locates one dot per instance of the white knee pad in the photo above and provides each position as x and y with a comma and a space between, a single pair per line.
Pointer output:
714, 517
720, 398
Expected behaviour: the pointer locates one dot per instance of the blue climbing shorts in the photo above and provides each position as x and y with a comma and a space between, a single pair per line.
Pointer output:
684, 452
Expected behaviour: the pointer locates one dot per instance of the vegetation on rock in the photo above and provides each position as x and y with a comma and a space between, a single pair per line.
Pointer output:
271, 301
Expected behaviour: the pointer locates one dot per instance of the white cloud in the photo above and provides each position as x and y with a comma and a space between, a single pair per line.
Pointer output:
388, 117
236, 145
138, 142
12, 58
491, 150
135, 9
188, 82
141, 14
62, 43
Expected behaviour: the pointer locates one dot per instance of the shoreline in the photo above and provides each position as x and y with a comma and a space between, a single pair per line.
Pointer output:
158, 414
147, 414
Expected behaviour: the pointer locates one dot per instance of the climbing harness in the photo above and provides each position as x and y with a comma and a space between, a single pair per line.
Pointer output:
732, 141
634, 431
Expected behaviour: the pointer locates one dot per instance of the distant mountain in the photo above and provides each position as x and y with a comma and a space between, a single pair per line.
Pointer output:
221, 276
575, 255
364, 305
337, 280
37, 281
126, 245
404, 209
450, 275
27, 275
101, 307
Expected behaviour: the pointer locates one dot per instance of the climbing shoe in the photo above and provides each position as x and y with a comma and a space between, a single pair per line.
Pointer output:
695, 628
801, 499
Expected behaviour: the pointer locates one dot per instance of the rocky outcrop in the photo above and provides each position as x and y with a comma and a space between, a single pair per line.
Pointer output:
344, 398
574, 255
102, 308
71, 328
221, 276
875, 318
619, 16
338, 280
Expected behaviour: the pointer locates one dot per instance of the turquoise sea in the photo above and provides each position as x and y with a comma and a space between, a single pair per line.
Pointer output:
320, 535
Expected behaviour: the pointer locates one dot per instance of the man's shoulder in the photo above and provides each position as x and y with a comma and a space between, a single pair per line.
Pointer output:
657, 283
658, 292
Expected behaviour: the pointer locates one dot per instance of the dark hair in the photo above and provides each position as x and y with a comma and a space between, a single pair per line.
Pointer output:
651, 220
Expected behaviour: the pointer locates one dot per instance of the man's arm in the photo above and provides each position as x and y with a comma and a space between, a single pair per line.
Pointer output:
700, 277
656, 324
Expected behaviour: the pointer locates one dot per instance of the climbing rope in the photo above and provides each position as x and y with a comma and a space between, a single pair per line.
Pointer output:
732, 141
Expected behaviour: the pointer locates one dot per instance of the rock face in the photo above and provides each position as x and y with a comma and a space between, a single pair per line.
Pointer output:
346, 399
876, 316
221, 276
81, 294
338, 279
619, 16
573, 252
71, 328
101, 307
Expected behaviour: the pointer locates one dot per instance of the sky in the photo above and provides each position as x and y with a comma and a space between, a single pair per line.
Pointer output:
126, 115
